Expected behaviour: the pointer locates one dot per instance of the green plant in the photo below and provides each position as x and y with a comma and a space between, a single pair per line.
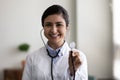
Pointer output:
24, 47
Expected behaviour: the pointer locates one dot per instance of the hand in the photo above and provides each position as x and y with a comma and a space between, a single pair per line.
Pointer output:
76, 61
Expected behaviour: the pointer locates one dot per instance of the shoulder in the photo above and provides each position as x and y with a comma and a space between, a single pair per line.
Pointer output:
37, 53
82, 54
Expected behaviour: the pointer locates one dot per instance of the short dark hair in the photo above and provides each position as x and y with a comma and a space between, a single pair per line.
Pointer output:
55, 9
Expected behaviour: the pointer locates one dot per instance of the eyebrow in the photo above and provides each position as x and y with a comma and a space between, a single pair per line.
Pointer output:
51, 22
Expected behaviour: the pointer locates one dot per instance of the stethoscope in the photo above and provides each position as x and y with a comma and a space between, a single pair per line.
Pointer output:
54, 56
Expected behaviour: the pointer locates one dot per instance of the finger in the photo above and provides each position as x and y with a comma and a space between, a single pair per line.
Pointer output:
76, 54
77, 61
73, 55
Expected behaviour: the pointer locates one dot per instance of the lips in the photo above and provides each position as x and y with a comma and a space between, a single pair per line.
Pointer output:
54, 35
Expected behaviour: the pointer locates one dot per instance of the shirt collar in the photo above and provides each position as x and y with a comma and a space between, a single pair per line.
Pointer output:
52, 51
62, 49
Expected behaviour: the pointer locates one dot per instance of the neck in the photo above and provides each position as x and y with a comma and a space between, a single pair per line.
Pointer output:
56, 45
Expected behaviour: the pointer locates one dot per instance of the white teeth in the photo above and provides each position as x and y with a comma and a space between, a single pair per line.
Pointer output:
54, 35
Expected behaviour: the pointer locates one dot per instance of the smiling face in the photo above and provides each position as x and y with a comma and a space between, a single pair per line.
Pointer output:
55, 30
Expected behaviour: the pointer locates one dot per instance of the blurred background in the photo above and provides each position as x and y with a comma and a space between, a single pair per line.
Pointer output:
94, 26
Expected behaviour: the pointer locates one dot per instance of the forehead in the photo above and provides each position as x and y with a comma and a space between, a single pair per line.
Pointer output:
54, 18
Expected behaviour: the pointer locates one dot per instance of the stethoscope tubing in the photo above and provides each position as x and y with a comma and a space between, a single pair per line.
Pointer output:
52, 57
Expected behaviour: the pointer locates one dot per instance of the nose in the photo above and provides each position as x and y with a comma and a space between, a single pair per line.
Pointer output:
54, 29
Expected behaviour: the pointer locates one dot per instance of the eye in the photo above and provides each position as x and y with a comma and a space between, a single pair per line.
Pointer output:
48, 24
59, 24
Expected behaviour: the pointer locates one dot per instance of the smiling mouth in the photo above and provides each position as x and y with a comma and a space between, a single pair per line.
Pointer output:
54, 35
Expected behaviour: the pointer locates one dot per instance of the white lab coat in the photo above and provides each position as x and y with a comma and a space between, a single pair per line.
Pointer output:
38, 66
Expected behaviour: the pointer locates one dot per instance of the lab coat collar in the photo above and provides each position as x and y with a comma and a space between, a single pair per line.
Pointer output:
62, 48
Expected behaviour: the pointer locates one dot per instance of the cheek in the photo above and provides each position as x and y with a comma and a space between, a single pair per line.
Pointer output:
63, 32
45, 33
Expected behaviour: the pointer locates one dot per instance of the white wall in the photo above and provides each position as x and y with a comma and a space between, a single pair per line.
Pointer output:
94, 37
116, 38
19, 23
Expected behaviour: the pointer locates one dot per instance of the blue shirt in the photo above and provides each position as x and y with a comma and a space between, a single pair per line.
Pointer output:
53, 52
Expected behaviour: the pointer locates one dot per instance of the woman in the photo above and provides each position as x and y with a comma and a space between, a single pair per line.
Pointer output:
55, 61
